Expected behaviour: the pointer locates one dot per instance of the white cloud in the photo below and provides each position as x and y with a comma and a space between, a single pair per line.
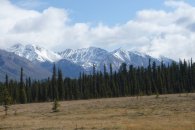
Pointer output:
157, 32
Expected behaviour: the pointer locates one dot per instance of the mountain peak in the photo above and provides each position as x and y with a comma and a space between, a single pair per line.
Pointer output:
85, 57
34, 53
121, 54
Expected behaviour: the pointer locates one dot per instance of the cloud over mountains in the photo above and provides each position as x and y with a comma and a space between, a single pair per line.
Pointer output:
157, 32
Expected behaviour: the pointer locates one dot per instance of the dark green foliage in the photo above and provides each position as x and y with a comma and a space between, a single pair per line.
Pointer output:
54, 85
5, 98
128, 81
60, 85
22, 91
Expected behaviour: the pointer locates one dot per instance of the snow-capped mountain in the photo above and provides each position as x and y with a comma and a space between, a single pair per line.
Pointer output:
84, 59
34, 53
88, 57
127, 55
11, 64
135, 58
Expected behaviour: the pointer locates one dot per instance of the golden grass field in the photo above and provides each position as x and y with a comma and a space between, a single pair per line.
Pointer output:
168, 112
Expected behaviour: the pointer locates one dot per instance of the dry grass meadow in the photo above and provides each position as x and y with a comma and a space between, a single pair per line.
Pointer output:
168, 112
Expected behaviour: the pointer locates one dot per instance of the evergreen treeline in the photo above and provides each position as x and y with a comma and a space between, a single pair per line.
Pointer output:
128, 81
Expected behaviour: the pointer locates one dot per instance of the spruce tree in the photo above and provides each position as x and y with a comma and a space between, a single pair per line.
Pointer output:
54, 84
154, 79
60, 85
23, 98
6, 81
94, 82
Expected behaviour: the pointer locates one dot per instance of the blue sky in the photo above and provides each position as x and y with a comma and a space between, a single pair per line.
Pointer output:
110, 12
155, 27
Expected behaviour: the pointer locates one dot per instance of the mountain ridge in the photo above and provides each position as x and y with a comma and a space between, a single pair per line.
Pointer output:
76, 61
11, 64
34, 53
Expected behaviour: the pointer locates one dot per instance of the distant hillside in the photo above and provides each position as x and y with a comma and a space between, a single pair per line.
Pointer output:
11, 64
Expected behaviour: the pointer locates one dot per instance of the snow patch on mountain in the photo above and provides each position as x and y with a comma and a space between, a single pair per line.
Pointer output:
34, 53
87, 57
121, 54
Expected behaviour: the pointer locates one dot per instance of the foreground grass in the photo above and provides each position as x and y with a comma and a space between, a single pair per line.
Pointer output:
168, 112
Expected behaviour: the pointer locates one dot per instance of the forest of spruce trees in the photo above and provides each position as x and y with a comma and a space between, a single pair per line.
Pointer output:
127, 81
